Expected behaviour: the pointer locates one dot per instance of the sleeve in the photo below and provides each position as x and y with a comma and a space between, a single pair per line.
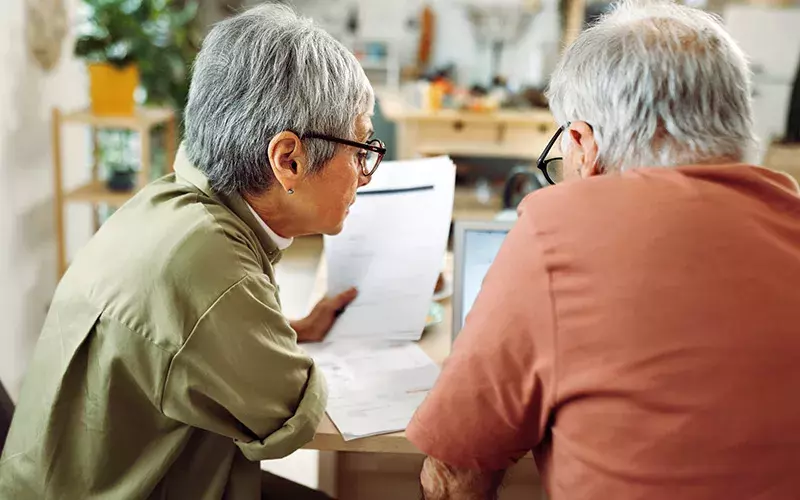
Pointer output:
241, 374
491, 403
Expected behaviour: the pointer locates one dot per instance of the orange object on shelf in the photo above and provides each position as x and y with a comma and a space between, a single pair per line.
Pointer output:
438, 89
111, 89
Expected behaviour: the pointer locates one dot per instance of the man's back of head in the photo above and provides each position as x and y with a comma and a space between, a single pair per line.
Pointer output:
660, 84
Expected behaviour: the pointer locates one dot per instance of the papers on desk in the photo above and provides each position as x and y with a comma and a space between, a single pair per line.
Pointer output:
391, 249
373, 388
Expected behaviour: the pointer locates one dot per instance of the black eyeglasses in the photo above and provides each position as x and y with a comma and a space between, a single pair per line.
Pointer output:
552, 168
369, 160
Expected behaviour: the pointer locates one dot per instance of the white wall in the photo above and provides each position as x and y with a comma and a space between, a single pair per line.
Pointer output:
771, 40
527, 62
27, 255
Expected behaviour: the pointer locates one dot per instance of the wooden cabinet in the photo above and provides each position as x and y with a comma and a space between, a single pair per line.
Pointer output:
500, 134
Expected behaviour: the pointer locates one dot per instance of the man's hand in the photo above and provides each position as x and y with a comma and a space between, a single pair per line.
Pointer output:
442, 482
316, 326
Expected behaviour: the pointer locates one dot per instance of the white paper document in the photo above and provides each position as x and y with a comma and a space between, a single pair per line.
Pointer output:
391, 249
373, 388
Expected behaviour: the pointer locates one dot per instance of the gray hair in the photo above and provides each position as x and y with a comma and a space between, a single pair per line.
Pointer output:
260, 73
661, 85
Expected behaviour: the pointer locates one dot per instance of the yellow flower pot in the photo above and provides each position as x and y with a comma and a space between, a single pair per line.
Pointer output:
112, 89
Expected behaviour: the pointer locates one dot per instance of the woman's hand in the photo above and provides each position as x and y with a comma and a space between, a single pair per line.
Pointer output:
316, 326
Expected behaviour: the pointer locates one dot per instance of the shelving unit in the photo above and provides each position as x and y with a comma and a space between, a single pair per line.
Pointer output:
387, 62
95, 192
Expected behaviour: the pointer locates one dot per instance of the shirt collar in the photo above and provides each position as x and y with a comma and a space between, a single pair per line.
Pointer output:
281, 242
189, 174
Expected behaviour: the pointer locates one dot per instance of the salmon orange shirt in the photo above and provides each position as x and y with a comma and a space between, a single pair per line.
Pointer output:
640, 333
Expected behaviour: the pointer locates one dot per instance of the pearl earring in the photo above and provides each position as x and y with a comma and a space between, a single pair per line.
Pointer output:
290, 191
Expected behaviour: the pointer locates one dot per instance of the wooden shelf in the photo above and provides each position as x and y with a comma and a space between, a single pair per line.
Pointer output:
142, 119
370, 64
397, 108
97, 192
479, 150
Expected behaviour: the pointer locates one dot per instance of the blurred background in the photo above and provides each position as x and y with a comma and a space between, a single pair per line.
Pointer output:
92, 92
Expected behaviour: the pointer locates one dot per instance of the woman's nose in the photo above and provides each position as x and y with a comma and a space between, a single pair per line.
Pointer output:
363, 180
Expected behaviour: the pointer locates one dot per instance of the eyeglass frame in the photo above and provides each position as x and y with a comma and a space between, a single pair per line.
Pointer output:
380, 148
543, 160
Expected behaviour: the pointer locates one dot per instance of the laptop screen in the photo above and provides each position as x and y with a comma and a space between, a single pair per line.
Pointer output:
479, 246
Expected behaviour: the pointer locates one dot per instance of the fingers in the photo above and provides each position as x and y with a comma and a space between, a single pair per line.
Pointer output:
311, 339
343, 299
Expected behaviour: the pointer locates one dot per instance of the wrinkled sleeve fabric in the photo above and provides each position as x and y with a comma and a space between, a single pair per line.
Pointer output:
491, 403
241, 374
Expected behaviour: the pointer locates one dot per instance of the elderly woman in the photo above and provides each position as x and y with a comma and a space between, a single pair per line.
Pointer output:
166, 368
638, 331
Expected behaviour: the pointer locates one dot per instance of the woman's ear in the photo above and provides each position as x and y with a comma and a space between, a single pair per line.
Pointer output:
583, 141
287, 159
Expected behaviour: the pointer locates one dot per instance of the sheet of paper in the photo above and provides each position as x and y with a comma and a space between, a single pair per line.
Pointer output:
373, 388
391, 249
408, 173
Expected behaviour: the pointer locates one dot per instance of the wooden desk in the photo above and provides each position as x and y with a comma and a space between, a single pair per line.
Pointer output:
497, 134
436, 343
388, 466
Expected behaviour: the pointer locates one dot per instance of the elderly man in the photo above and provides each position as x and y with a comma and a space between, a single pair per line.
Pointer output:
166, 368
638, 331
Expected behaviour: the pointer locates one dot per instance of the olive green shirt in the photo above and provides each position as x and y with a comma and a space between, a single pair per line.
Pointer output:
165, 368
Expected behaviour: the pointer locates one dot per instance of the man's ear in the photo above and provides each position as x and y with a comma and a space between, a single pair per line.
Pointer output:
582, 137
287, 159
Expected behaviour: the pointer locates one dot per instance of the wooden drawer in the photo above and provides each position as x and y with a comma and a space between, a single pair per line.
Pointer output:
458, 131
531, 138
496, 139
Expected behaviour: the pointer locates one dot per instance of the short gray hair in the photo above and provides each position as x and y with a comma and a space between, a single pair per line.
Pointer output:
262, 72
661, 85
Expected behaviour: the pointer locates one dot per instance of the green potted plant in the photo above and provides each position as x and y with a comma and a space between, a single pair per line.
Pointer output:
128, 42
121, 178
116, 155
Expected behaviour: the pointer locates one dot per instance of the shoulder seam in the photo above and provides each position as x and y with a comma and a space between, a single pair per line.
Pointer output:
553, 310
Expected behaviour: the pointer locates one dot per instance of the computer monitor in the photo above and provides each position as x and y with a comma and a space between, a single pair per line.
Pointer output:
475, 245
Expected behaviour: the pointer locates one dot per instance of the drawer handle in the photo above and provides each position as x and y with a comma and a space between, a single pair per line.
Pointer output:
543, 129
458, 126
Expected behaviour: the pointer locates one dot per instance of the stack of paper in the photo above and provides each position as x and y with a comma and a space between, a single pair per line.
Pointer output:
391, 249
373, 389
